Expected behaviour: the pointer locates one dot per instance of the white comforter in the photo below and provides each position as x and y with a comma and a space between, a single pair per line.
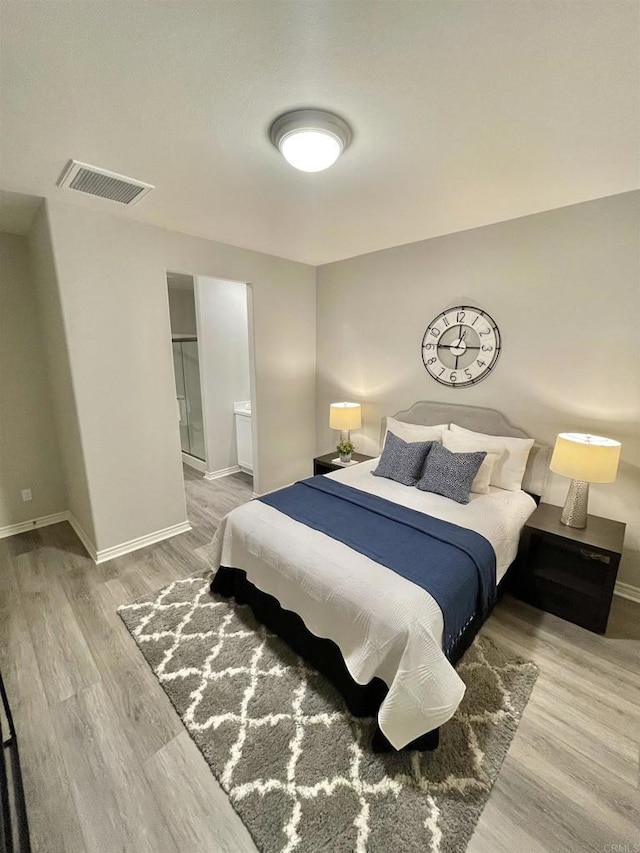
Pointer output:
383, 624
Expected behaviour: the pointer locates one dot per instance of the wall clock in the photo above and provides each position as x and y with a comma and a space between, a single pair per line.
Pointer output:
461, 346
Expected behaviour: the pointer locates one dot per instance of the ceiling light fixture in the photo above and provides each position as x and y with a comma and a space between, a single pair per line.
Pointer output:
310, 140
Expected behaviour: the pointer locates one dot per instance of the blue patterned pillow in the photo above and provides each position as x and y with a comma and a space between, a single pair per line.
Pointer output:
402, 461
450, 474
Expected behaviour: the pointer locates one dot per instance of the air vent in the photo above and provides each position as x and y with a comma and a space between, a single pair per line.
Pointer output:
100, 182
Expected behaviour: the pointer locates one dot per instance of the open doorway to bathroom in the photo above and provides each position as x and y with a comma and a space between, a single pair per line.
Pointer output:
213, 374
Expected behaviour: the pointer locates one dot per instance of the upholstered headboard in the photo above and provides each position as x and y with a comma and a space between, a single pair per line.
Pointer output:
479, 419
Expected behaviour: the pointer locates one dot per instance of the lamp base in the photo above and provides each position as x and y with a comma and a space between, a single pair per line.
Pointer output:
574, 513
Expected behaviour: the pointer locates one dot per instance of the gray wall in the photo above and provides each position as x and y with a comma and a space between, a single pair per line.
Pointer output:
54, 335
284, 329
223, 346
29, 453
563, 287
182, 310
113, 293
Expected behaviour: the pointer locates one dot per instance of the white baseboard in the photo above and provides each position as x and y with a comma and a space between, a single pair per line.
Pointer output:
141, 542
89, 547
46, 520
626, 590
223, 472
106, 553
33, 524
192, 462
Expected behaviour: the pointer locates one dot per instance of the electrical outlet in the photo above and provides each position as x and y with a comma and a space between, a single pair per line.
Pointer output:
26, 494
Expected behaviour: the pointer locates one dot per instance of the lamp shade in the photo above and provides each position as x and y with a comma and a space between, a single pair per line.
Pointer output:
591, 458
345, 416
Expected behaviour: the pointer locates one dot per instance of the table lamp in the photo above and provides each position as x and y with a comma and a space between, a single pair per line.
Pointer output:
586, 459
345, 417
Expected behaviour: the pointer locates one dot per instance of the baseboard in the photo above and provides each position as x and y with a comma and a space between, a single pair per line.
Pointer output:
106, 554
33, 524
193, 462
46, 520
89, 547
626, 590
223, 472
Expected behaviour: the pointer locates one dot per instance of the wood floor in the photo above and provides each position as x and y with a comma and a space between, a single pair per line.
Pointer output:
108, 767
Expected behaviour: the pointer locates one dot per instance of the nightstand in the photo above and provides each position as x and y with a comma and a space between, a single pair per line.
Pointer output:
569, 572
324, 465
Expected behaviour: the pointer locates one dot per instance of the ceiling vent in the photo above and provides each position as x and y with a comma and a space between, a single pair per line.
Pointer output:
100, 182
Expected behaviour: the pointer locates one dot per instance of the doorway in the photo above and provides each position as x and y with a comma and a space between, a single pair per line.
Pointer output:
214, 376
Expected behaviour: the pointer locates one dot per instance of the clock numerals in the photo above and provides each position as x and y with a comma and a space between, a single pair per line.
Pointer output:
457, 350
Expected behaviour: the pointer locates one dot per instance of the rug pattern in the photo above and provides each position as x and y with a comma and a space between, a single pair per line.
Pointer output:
294, 763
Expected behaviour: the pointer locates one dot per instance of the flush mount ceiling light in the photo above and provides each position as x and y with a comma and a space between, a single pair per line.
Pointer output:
310, 140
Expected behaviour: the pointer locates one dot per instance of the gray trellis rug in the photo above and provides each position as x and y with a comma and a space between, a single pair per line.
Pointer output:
295, 764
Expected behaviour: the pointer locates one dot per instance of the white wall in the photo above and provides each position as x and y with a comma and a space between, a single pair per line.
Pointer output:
113, 292
563, 287
223, 346
29, 452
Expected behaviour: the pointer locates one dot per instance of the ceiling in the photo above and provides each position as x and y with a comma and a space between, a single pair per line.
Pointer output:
463, 113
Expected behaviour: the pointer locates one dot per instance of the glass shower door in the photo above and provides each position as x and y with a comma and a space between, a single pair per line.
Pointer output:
181, 395
191, 366
186, 367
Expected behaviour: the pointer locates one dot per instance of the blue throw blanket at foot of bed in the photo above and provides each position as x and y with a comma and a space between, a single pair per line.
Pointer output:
456, 566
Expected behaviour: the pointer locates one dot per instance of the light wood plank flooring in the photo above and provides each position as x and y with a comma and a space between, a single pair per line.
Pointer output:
108, 766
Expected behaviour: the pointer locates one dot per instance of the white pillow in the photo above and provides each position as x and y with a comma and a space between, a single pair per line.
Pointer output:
415, 432
508, 470
457, 443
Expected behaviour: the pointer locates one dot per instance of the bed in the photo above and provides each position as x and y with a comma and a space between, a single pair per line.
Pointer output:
378, 636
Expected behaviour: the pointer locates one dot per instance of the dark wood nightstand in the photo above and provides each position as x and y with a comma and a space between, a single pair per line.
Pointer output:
569, 572
324, 465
